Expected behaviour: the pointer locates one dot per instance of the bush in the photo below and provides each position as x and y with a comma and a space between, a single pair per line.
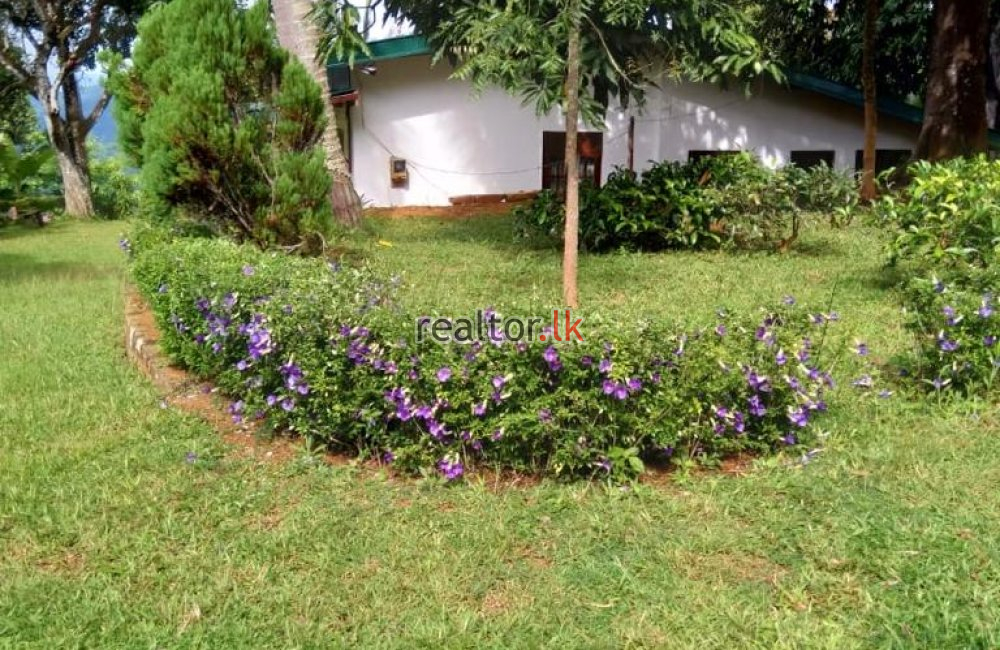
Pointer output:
116, 191
946, 226
722, 200
325, 352
224, 126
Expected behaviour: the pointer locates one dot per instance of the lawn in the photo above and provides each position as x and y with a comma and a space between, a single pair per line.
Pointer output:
109, 537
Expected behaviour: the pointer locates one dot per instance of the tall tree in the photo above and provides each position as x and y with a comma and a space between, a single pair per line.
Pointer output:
572, 117
298, 34
525, 49
45, 45
955, 107
868, 190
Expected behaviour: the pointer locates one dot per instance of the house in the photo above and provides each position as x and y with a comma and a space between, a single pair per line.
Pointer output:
416, 137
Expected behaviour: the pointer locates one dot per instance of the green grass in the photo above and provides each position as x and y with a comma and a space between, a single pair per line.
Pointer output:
108, 538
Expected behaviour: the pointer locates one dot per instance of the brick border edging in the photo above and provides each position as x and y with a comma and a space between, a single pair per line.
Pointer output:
141, 345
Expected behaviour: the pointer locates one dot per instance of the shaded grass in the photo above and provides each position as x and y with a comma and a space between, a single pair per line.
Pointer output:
108, 538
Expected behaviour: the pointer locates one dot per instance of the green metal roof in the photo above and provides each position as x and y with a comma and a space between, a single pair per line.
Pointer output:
405, 46
847, 94
385, 49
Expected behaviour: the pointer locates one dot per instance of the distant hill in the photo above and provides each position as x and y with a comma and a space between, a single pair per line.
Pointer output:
105, 132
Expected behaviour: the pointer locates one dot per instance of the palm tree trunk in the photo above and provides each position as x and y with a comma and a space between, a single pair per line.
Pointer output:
298, 35
572, 114
868, 189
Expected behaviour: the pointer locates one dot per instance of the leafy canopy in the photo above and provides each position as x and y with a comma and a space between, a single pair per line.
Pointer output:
521, 46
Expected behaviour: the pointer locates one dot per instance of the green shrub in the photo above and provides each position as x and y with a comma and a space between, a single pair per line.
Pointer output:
948, 216
224, 126
946, 236
325, 352
116, 190
722, 200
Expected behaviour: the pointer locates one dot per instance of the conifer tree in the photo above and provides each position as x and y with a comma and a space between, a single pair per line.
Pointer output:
225, 126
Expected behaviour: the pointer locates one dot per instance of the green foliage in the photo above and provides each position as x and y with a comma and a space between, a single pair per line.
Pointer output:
949, 215
722, 200
29, 182
823, 38
116, 189
946, 226
18, 121
224, 126
326, 352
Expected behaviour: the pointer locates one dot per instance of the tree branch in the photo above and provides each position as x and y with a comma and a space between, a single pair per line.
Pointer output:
93, 33
96, 111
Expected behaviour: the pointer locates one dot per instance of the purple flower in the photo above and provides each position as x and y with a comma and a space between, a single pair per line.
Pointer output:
248, 270
272, 399
799, 417
404, 412
634, 385
739, 424
946, 344
781, 358
861, 349
604, 464
605, 366
241, 365
587, 361
437, 430
479, 409
497, 435
621, 391
388, 457
499, 381
551, 356
758, 382
720, 329
190, 458
288, 404
788, 300
545, 416
989, 340
789, 439
864, 381
450, 467
985, 309
443, 374
608, 387
757, 408
938, 286
125, 245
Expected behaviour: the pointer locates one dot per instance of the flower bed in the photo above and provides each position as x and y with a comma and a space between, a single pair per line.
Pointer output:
323, 351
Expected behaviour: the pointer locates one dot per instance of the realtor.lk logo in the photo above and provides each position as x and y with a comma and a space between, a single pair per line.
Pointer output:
489, 327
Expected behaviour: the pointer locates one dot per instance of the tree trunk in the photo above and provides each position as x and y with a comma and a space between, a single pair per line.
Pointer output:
76, 186
955, 107
298, 35
572, 115
70, 146
868, 189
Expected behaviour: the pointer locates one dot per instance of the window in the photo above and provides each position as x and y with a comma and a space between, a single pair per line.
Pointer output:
884, 159
809, 159
589, 151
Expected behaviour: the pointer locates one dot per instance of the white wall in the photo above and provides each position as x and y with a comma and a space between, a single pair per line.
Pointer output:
772, 122
456, 144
